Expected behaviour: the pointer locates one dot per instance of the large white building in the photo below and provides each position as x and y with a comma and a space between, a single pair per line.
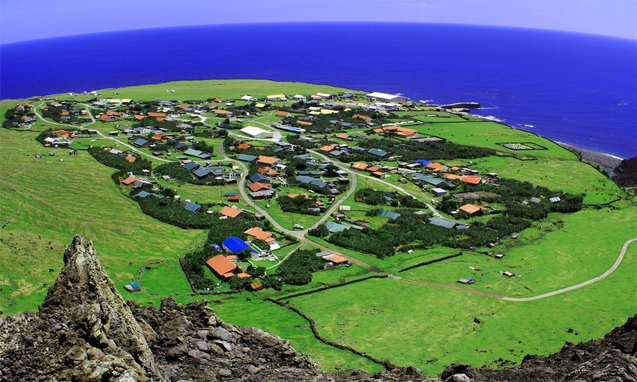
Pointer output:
384, 97
257, 132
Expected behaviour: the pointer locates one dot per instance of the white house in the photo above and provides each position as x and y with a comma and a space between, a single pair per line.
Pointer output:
257, 132
248, 98
384, 97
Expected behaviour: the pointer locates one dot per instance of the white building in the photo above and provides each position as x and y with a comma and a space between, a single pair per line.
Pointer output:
248, 98
256, 132
384, 97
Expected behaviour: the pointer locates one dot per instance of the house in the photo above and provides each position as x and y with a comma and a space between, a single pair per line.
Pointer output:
342, 136
473, 209
132, 287
396, 130
259, 178
254, 187
310, 180
130, 180
263, 194
140, 142
283, 113
276, 97
436, 167
230, 212
379, 174
473, 180
334, 259
555, 199
201, 172
377, 152
438, 191
192, 207
248, 98
360, 165
233, 198
270, 161
423, 162
442, 222
327, 148
234, 245
246, 158
222, 266
257, 132
336, 227
384, 97
190, 166
197, 154
389, 214
243, 146
260, 234
428, 179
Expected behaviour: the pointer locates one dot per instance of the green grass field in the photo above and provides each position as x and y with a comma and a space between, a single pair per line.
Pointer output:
46, 201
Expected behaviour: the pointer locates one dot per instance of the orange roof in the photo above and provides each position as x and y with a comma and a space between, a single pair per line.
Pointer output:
104, 118
455, 168
342, 136
160, 119
267, 160
243, 146
157, 136
156, 115
373, 168
230, 212
363, 117
221, 265
130, 158
267, 171
471, 208
65, 113
436, 166
61, 133
258, 233
130, 180
244, 275
471, 179
184, 106
338, 259
451, 176
360, 165
221, 112
233, 198
401, 131
227, 275
305, 123
282, 113
327, 148
254, 187
139, 117
378, 173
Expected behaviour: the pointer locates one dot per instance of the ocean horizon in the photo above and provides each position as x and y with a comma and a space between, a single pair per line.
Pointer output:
572, 88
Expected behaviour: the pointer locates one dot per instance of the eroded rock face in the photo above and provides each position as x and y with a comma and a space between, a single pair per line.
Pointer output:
85, 331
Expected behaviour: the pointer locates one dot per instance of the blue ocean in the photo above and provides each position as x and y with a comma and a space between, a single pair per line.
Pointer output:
573, 88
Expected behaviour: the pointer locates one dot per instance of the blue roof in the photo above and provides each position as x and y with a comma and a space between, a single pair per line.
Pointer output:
258, 178
442, 222
134, 285
190, 166
192, 207
390, 214
143, 194
246, 158
336, 227
140, 142
202, 172
377, 152
423, 161
197, 153
234, 244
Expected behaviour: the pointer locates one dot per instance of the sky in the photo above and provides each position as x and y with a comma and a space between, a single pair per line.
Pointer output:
22, 20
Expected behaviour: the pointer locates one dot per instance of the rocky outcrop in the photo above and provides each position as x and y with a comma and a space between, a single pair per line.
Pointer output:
461, 105
85, 331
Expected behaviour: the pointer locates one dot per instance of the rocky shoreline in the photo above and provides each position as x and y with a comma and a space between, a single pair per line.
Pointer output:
604, 160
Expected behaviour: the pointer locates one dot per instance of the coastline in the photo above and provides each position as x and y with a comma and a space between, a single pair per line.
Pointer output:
603, 159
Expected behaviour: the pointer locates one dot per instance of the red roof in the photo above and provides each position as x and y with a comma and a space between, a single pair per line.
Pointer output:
230, 212
254, 187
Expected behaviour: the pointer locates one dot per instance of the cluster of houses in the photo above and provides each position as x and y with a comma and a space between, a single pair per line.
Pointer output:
203, 172
60, 138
